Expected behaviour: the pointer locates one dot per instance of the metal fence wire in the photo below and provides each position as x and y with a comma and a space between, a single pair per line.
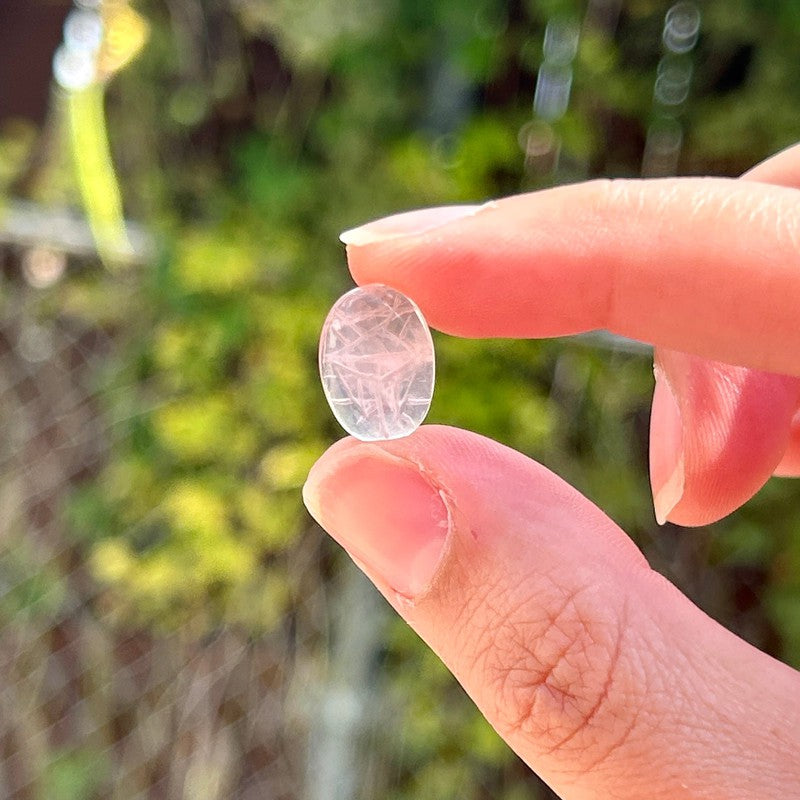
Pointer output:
89, 709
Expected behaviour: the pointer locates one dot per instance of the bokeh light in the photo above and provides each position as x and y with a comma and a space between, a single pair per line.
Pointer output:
561, 38
673, 80
36, 342
74, 70
83, 30
662, 148
541, 146
553, 85
682, 27
43, 267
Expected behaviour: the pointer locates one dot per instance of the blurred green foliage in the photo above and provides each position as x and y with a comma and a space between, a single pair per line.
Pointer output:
74, 775
247, 143
204, 499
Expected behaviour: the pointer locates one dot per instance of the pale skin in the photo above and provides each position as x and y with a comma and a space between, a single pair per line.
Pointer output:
605, 679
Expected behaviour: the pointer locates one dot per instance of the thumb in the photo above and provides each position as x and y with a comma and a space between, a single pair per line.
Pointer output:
600, 674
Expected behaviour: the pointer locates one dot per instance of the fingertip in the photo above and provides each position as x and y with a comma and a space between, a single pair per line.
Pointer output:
386, 512
667, 474
322, 467
789, 466
408, 223
717, 433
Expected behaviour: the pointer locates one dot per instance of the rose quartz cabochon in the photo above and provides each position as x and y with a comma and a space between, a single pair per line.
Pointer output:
376, 362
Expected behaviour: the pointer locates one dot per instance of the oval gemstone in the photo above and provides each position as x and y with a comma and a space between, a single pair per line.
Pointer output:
376, 362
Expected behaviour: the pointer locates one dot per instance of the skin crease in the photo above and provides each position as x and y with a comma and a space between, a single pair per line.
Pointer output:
598, 672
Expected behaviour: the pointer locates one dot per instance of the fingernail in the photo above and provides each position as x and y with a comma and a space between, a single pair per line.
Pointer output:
411, 223
667, 465
380, 508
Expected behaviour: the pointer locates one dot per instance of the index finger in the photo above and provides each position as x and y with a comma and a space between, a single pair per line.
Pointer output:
703, 265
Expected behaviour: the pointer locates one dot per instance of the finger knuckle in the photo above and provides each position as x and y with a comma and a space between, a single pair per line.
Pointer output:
553, 674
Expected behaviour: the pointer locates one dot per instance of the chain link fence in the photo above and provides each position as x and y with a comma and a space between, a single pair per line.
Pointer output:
89, 709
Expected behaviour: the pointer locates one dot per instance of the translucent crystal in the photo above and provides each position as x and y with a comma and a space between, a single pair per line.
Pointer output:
376, 362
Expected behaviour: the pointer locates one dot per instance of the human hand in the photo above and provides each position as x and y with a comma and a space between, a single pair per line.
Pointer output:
597, 671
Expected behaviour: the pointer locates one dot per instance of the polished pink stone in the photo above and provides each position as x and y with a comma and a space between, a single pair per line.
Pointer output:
376, 362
